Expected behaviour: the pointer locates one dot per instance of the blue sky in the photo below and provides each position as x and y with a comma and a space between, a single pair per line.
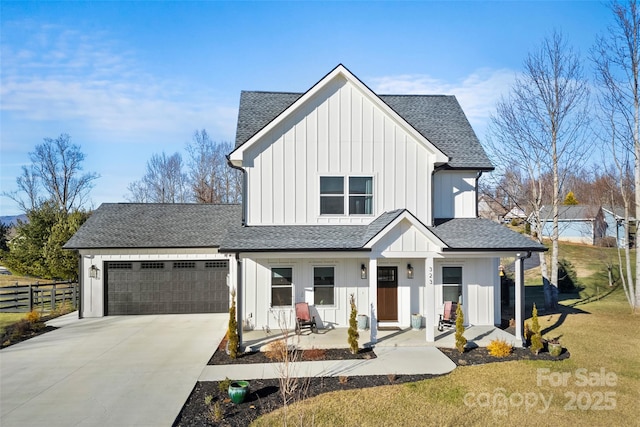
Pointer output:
130, 79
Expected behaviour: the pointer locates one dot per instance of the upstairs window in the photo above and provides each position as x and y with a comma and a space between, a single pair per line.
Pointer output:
339, 195
331, 195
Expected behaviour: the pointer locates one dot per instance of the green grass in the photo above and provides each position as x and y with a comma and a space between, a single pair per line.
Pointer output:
600, 334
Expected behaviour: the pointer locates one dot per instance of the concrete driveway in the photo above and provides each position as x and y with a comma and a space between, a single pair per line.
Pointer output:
111, 371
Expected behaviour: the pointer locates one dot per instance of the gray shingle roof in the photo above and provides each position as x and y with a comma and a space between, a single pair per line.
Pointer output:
458, 234
482, 234
570, 212
439, 118
151, 225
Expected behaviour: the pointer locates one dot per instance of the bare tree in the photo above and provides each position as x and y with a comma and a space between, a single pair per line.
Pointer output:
163, 182
211, 178
540, 130
617, 59
56, 170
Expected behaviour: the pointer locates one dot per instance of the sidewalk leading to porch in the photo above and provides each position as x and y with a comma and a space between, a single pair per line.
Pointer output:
388, 360
399, 352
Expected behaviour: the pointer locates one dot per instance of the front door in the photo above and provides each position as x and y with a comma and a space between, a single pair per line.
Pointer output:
388, 294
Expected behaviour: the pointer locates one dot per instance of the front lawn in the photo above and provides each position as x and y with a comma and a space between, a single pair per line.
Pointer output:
597, 386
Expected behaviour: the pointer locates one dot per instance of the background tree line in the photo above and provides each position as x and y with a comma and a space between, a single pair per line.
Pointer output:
204, 178
555, 120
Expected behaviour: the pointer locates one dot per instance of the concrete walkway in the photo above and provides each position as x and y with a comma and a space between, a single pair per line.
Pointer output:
389, 360
111, 371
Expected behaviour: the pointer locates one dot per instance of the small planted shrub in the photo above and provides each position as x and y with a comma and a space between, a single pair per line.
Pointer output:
232, 331
223, 385
499, 348
461, 341
33, 316
536, 336
314, 354
353, 326
342, 379
276, 350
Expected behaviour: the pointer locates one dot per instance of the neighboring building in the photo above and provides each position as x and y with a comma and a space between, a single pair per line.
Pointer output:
617, 228
489, 208
345, 192
515, 213
576, 223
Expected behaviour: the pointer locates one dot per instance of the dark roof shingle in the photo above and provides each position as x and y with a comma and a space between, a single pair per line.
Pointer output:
153, 225
439, 118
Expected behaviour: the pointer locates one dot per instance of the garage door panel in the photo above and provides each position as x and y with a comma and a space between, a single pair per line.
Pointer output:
168, 287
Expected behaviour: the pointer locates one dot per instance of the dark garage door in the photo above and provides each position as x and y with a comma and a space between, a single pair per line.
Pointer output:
166, 287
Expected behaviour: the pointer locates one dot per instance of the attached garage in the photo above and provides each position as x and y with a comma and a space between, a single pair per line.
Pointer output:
147, 258
166, 287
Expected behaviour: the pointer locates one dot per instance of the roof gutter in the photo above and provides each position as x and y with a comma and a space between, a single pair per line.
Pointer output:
244, 188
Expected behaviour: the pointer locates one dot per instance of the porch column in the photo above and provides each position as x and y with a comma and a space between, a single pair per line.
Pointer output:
429, 300
373, 300
519, 296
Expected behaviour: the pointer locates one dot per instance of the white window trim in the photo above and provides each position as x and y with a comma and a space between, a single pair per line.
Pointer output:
324, 306
346, 195
293, 299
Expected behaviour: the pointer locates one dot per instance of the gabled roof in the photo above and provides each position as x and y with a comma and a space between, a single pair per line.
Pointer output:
461, 234
153, 225
570, 212
478, 234
438, 119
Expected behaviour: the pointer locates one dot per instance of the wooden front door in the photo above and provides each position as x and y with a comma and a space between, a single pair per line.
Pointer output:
388, 294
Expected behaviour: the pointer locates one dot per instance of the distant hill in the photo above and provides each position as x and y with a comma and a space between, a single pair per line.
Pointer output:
12, 219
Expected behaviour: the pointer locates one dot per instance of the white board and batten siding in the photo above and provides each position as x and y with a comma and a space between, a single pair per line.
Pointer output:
340, 131
454, 194
480, 289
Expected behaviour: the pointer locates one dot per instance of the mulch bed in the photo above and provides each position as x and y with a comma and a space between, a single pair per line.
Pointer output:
265, 397
23, 330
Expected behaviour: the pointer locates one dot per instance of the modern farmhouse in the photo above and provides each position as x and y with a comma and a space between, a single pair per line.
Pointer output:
345, 192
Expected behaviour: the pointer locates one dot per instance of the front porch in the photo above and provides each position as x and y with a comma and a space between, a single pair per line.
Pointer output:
477, 336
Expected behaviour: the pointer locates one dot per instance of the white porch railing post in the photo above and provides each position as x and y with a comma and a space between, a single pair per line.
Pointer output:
519, 297
429, 300
373, 300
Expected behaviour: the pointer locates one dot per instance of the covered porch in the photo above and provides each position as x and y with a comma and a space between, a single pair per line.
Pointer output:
477, 336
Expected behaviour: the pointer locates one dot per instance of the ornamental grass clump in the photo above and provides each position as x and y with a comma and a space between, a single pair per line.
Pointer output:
461, 341
499, 348
353, 326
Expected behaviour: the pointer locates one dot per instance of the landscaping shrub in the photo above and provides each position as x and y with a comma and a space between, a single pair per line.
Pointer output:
461, 341
536, 336
33, 317
276, 350
353, 326
499, 348
233, 328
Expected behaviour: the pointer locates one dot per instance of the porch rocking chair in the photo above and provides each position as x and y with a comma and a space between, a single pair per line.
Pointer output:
303, 319
448, 317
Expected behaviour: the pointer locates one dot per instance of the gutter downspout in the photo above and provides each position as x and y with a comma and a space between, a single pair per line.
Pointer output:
239, 298
476, 191
244, 189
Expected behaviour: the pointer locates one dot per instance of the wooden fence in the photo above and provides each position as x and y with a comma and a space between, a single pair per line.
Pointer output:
45, 297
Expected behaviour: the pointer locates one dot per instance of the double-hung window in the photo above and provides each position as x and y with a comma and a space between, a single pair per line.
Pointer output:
352, 195
281, 286
452, 284
323, 285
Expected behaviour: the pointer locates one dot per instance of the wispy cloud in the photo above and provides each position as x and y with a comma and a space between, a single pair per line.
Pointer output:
478, 92
59, 74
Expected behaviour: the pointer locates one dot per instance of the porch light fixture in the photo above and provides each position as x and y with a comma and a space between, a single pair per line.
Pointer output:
363, 271
409, 271
94, 272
